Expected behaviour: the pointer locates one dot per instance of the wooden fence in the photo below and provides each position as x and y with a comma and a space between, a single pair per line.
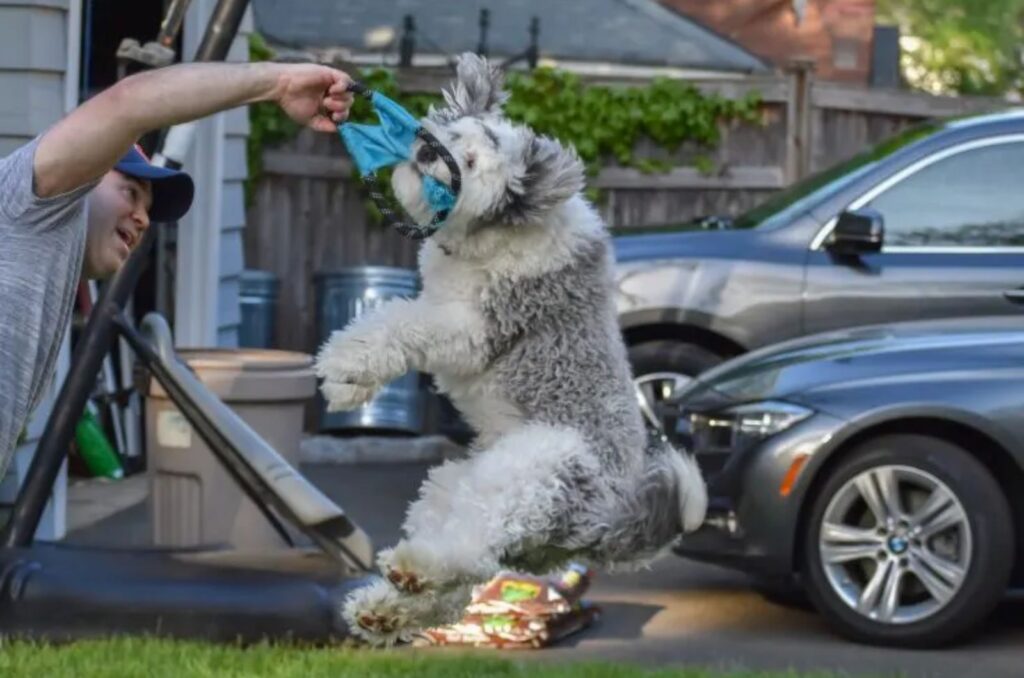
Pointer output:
309, 216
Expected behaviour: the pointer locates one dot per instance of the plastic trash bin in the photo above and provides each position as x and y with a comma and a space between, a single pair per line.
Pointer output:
193, 500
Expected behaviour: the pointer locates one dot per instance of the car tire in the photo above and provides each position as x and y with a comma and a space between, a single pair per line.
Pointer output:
981, 530
653, 358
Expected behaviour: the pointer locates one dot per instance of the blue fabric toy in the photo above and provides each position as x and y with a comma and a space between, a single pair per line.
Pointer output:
389, 143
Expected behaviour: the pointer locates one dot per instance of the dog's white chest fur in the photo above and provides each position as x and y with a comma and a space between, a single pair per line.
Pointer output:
457, 286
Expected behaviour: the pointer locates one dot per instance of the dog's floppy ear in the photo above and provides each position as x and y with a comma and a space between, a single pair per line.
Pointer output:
549, 175
476, 91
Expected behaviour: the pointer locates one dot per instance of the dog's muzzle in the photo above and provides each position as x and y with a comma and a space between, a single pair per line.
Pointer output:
375, 146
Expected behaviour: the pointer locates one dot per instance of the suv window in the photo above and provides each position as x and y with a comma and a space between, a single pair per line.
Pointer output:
783, 206
974, 198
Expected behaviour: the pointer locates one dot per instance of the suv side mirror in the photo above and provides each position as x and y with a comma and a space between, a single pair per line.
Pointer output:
857, 232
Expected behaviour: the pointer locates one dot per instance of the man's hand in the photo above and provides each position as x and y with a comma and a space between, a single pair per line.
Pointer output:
86, 144
312, 95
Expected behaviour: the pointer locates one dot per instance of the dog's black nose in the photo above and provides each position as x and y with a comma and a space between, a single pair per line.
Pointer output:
426, 154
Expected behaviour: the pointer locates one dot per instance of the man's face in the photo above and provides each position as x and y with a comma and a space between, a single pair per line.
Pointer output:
118, 216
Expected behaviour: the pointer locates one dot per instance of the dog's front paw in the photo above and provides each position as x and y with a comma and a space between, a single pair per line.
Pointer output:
342, 397
347, 365
346, 360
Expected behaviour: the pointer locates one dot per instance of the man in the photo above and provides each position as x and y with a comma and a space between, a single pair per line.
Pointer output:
76, 199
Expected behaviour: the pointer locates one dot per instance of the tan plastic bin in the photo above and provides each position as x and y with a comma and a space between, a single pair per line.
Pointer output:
193, 500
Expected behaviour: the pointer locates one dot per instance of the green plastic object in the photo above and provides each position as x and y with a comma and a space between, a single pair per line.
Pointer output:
96, 451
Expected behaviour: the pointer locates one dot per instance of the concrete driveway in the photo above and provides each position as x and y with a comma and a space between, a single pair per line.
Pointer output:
677, 613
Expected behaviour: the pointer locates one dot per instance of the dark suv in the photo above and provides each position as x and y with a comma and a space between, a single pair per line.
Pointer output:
929, 224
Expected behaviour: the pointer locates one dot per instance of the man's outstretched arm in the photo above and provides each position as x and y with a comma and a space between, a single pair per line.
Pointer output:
91, 139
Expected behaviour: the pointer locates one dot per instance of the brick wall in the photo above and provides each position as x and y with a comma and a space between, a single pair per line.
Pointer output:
835, 34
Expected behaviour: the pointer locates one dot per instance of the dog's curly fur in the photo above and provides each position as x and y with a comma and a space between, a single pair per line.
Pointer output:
517, 323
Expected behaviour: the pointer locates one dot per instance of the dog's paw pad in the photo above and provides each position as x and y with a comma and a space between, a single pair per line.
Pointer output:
378, 615
407, 582
408, 568
378, 624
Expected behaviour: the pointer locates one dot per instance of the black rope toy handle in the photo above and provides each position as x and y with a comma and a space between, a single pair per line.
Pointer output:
408, 228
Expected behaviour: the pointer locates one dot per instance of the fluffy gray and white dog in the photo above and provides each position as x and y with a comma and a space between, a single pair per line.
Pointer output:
517, 323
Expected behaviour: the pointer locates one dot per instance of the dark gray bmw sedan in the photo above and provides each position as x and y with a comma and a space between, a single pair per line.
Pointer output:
928, 224
881, 467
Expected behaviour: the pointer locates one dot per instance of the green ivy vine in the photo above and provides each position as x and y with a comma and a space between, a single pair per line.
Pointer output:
600, 122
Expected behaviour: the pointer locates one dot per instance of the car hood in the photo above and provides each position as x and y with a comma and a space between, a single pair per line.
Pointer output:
863, 356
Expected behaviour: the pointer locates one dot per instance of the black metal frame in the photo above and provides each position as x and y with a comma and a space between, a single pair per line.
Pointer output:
106, 321
62, 592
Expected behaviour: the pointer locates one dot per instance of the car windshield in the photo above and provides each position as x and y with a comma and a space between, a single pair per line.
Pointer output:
783, 206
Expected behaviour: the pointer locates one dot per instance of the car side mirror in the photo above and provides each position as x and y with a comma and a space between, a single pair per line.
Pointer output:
857, 232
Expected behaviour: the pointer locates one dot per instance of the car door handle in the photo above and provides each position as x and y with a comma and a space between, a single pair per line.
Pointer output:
1015, 296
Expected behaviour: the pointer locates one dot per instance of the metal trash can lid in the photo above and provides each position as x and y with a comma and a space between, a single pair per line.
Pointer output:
249, 374
247, 359
366, 272
368, 276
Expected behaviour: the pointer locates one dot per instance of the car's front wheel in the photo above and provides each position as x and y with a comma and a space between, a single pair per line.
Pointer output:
910, 542
662, 368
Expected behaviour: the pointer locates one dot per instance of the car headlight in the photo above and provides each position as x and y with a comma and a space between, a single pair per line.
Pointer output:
738, 427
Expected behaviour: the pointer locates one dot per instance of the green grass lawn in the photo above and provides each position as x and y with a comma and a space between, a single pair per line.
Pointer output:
134, 658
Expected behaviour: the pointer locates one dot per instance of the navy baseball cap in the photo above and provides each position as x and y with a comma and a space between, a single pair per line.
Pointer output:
172, 190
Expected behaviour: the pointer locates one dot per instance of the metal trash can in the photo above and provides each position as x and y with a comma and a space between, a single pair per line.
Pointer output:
343, 295
193, 500
257, 298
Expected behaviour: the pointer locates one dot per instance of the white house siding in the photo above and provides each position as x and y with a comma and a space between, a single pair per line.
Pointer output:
210, 262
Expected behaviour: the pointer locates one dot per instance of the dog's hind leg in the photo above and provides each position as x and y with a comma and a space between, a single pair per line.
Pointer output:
380, 614
503, 505
424, 516
390, 608
508, 499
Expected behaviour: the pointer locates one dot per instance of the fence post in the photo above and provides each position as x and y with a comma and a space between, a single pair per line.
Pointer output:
798, 119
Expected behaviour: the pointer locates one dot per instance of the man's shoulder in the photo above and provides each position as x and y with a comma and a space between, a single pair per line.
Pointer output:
21, 157
19, 203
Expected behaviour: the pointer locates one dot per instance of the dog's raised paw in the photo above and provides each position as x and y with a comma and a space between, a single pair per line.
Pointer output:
341, 397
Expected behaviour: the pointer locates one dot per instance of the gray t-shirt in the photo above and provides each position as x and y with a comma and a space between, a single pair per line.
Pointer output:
42, 241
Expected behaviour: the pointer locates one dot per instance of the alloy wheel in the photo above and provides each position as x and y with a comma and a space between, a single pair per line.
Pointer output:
655, 388
895, 544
